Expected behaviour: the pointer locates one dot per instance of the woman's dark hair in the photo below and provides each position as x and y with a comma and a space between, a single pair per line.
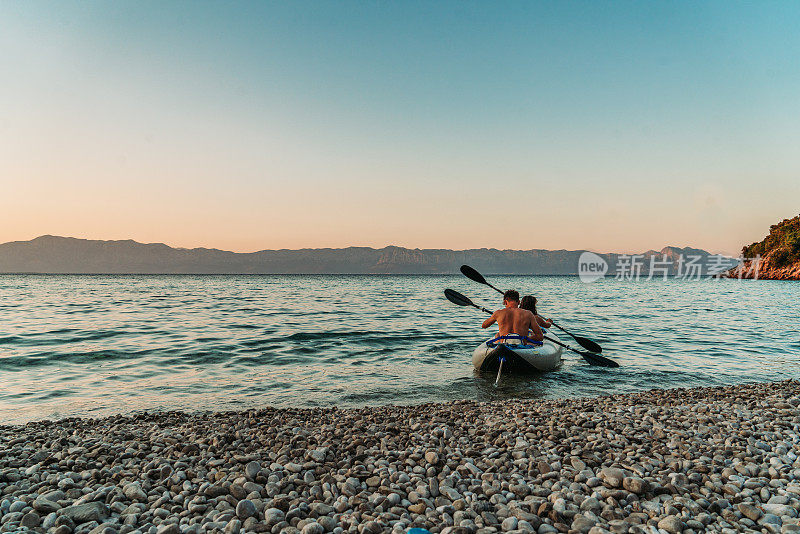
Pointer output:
528, 303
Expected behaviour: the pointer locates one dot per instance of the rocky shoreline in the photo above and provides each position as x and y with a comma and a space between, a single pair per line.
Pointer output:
764, 269
682, 460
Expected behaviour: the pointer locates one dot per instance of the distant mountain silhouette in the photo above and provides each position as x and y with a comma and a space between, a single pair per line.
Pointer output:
53, 254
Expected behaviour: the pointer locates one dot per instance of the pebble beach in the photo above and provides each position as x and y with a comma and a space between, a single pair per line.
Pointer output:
721, 459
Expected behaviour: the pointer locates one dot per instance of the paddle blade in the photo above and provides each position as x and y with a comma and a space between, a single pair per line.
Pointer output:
457, 298
596, 359
584, 342
588, 344
472, 274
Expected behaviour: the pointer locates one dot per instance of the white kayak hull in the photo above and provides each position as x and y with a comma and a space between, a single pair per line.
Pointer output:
519, 359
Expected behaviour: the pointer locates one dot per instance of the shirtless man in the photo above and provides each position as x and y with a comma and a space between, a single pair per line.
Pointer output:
514, 320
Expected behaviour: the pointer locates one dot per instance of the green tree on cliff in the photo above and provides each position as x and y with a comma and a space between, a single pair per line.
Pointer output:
782, 243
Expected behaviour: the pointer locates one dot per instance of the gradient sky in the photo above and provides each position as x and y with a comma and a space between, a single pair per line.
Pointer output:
615, 126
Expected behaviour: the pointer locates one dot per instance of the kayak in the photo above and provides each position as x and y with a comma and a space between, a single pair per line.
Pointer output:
521, 355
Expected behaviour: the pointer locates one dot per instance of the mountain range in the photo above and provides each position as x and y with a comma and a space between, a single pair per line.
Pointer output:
53, 254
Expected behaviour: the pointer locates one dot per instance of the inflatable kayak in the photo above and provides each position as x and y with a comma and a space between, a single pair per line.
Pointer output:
520, 354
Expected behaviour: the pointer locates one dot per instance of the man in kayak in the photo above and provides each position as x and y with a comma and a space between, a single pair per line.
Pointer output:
514, 320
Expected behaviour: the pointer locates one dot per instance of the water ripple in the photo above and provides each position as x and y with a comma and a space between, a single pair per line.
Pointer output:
94, 345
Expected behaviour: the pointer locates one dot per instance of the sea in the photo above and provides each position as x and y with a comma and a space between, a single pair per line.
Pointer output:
98, 345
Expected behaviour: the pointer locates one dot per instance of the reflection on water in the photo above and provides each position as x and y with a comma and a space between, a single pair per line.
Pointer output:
94, 345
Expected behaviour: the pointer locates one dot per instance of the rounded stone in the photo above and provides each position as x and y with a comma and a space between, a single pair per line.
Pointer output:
327, 522
612, 477
671, 524
168, 528
30, 520
581, 523
17, 506
372, 527
509, 523
252, 469
134, 492
635, 485
234, 526
749, 511
273, 516
45, 506
313, 528
418, 508
245, 508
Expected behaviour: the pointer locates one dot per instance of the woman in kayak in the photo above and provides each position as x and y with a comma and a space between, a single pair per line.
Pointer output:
528, 302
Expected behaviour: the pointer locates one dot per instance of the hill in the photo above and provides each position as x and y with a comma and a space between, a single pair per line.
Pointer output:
53, 254
776, 257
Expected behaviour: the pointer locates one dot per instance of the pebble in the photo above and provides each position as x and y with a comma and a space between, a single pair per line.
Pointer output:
749, 511
313, 528
234, 526
635, 485
171, 528
707, 459
40, 504
509, 523
245, 508
83, 513
671, 524
17, 506
252, 469
273, 516
30, 520
582, 523
134, 492
612, 477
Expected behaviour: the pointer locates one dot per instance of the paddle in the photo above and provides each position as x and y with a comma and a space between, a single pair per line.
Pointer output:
586, 343
475, 276
592, 359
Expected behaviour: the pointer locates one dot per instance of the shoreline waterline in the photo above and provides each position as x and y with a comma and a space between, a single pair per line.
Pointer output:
681, 460
155, 414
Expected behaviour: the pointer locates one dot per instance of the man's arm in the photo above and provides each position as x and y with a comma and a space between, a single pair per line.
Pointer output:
490, 321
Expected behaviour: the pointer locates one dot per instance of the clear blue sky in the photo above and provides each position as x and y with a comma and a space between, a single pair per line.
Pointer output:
610, 126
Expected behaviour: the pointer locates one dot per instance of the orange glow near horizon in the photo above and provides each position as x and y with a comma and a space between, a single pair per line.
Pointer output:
263, 129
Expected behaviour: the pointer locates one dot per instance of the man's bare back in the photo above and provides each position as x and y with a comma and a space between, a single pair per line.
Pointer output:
514, 320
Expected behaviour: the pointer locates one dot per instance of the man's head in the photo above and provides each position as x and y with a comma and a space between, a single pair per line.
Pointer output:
511, 299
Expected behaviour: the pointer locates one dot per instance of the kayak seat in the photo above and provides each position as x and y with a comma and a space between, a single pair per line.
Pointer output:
526, 341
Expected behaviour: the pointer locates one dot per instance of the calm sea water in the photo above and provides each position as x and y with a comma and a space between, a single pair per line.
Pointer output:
98, 345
